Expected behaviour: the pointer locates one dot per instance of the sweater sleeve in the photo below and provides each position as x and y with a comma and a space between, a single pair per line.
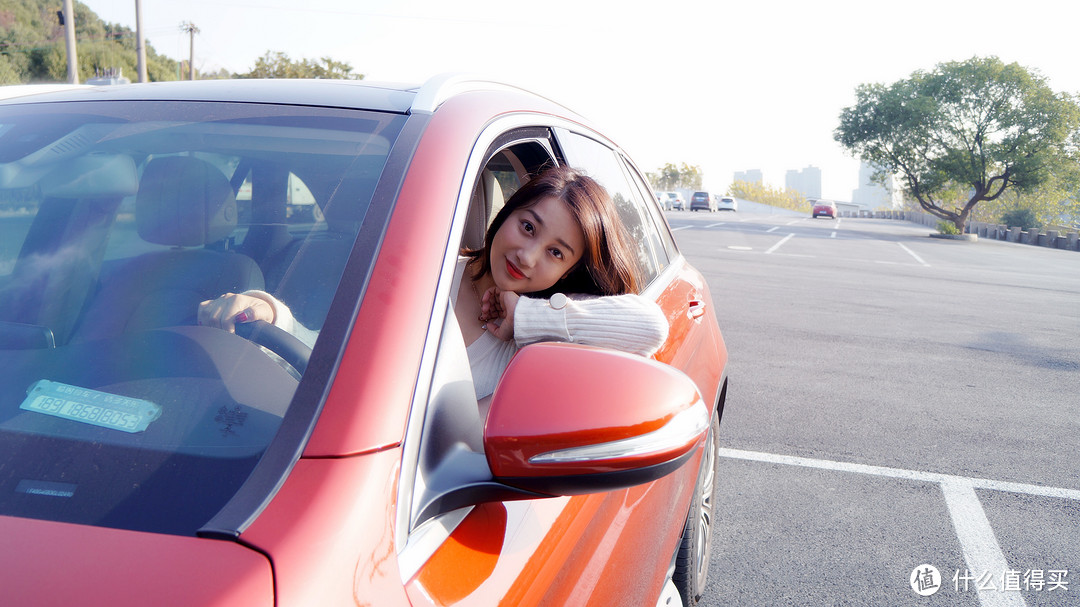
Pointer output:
284, 319
630, 323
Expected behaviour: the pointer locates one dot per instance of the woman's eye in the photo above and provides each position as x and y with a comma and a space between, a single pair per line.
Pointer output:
557, 253
527, 226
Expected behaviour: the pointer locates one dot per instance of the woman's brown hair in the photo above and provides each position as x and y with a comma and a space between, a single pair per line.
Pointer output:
608, 265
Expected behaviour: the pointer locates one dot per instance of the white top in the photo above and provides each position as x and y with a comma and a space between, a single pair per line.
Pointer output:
629, 323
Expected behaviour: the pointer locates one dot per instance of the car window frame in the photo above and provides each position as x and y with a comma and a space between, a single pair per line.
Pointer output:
417, 540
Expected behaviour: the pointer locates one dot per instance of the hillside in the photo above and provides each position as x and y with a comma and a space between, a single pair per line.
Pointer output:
32, 45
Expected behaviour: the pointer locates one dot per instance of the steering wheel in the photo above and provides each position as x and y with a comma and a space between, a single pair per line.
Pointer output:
278, 341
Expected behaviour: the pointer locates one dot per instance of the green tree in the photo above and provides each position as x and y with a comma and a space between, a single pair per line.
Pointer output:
279, 65
758, 192
979, 125
32, 45
670, 177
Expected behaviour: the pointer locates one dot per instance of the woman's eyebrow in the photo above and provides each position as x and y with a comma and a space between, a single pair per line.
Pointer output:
539, 221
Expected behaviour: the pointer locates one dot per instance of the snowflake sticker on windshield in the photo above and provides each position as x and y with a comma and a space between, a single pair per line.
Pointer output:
90, 406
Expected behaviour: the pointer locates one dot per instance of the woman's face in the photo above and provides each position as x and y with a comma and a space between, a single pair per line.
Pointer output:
535, 247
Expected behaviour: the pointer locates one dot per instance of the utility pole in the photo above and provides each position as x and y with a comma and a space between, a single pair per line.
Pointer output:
69, 38
190, 28
140, 42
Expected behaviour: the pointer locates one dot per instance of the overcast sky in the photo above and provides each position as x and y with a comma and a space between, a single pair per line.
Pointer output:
729, 86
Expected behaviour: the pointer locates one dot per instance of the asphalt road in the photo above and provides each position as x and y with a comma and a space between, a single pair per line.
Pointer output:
894, 401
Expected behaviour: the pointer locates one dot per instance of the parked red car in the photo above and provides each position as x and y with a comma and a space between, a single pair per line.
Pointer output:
146, 460
826, 208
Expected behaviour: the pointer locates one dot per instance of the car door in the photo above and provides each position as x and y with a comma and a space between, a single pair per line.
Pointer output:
553, 551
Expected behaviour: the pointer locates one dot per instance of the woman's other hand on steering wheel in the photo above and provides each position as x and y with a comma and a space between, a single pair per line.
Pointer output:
232, 308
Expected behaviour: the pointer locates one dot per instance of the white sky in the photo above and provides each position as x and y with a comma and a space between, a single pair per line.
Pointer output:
726, 85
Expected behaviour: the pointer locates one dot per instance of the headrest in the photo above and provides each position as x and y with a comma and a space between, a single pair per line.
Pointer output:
487, 199
184, 201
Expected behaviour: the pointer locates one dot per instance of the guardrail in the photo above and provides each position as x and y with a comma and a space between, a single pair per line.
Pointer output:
1051, 239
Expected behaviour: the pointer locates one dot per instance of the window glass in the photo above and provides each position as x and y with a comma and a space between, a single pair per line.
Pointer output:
601, 163
653, 212
116, 220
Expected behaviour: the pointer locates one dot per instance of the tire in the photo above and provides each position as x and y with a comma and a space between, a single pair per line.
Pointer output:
695, 549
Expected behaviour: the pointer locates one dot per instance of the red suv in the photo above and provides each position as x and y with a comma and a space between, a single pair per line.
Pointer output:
149, 460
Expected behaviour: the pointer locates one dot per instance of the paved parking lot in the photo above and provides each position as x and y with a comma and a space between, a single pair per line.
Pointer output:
896, 401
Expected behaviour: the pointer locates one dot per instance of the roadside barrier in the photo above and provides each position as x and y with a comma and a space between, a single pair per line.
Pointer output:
1068, 240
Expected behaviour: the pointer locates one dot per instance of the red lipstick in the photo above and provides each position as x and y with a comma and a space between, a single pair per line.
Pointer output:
515, 273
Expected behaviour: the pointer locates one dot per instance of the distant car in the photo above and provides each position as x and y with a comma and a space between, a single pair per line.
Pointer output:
675, 200
702, 201
663, 200
726, 203
824, 207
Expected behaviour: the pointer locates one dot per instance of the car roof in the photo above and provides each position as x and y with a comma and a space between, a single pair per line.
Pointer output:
404, 98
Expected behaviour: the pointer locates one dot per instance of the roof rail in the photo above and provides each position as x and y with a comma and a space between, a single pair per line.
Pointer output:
441, 87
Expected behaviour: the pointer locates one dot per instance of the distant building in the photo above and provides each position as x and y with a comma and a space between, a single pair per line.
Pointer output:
806, 181
872, 195
750, 176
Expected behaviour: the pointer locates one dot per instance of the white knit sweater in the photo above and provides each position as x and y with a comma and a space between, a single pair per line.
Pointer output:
630, 323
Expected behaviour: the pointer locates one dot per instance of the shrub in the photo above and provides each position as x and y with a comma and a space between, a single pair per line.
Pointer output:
1021, 218
948, 227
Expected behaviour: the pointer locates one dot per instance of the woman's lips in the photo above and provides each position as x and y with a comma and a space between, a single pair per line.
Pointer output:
512, 270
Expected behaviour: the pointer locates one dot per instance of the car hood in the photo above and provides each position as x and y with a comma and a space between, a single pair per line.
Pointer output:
47, 563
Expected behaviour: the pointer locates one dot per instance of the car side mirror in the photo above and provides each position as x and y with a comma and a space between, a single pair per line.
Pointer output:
567, 419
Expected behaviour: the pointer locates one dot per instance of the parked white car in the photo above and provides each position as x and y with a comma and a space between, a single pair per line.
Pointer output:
726, 203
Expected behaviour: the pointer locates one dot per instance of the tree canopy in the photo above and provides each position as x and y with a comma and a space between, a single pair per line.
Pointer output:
979, 127
32, 45
279, 65
755, 191
670, 177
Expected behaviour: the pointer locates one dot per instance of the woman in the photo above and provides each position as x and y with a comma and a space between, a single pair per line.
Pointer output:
559, 234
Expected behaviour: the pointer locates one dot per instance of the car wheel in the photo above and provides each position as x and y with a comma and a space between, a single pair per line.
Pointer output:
695, 549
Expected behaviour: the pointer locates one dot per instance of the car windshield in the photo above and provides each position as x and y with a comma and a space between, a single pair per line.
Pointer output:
116, 220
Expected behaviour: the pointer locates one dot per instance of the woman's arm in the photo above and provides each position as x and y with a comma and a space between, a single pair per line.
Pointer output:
630, 323
230, 309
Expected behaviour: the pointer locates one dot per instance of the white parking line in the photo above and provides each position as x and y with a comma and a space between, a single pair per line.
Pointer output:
833, 235
981, 550
982, 553
777, 245
679, 228
713, 225
914, 475
795, 221
773, 229
912, 253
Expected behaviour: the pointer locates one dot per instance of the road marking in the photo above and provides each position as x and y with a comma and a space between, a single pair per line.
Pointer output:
833, 235
912, 253
773, 229
777, 245
914, 475
795, 221
713, 225
977, 541
982, 553
679, 228
735, 247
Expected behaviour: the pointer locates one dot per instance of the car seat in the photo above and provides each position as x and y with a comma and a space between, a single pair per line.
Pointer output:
185, 203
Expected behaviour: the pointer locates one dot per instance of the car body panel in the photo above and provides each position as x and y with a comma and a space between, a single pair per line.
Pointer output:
50, 563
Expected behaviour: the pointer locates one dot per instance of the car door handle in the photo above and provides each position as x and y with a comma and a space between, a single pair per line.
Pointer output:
696, 308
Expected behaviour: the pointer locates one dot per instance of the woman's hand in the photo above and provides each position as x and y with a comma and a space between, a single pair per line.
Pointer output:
229, 309
497, 311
